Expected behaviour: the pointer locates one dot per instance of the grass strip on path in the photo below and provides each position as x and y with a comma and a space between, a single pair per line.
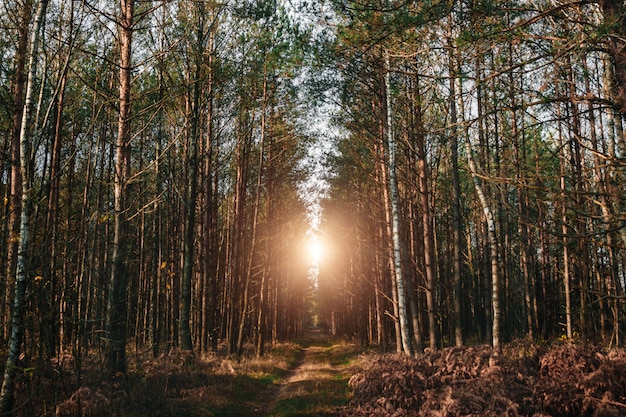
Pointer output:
318, 384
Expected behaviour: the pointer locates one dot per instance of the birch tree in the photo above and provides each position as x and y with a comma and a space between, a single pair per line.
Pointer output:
395, 218
23, 272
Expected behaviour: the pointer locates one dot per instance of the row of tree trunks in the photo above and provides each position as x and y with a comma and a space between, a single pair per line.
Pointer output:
536, 201
136, 239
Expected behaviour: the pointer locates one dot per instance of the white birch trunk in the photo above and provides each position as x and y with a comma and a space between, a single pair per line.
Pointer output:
493, 246
395, 221
17, 315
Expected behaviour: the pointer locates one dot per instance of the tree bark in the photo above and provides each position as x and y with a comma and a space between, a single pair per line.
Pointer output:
565, 241
614, 13
456, 198
395, 219
493, 245
117, 305
209, 230
22, 274
186, 342
15, 193
427, 232
385, 235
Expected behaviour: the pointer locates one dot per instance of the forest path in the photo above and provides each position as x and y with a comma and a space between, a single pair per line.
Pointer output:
317, 384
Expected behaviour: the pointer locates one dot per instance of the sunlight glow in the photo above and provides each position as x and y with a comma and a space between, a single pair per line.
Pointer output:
315, 249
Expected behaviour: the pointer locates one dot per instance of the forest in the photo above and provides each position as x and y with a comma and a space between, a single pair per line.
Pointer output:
164, 166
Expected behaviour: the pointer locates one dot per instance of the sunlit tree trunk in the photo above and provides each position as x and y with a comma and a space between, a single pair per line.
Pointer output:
491, 238
486, 290
385, 233
395, 219
15, 193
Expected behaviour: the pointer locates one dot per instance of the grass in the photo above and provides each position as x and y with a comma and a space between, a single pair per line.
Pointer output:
319, 386
304, 378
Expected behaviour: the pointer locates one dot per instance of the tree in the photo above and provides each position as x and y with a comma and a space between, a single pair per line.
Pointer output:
15, 193
23, 271
395, 221
117, 306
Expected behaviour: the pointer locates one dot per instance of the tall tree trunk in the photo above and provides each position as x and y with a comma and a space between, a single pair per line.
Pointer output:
157, 219
456, 196
257, 203
395, 219
22, 274
492, 242
385, 233
565, 240
15, 193
52, 220
192, 187
519, 161
493, 246
210, 244
428, 237
238, 236
255, 220
117, 305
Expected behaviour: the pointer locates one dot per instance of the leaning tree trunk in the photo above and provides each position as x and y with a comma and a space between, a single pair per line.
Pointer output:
493, 248
21, 276
491, 238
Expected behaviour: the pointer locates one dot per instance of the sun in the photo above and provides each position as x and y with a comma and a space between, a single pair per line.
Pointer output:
315, 249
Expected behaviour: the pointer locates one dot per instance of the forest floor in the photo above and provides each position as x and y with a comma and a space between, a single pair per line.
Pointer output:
525, 379
305, 378
318, 383
319, 376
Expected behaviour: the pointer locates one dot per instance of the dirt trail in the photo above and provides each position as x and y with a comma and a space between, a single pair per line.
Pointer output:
307, 377
317, 384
